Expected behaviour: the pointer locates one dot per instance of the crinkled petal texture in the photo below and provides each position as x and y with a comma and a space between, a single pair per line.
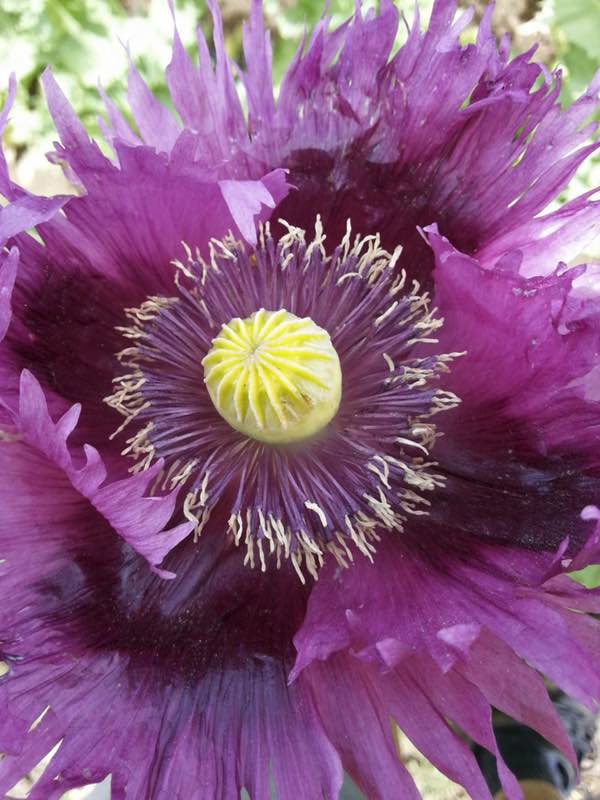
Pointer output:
176, 688
165, 661
520, 452
453, 618
108, 250
441, 639
436, 132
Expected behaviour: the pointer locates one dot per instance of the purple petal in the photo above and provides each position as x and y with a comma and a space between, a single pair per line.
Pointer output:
8, 273
26, 212
246, 199
156, 124
564, 233
400, 145
119, 129
6, 185
493, 617
140, 519
356, 715
258, 77
130, 663
534, 335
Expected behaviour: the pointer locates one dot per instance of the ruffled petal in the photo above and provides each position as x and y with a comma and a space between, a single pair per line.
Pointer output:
529, 343
123, 662
520, 452
135, 515
258, 77
447, 637
232, 730
9, 263
390, 142
155, 122
356, 701
391, 146
168, 200
24, 211
535, 246
109, 250
400, 144
207, 101
6, 185
27, 212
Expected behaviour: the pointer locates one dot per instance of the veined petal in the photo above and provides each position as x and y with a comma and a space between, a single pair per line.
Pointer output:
441, 542
134, 514
8, 274
464, 638
168, 668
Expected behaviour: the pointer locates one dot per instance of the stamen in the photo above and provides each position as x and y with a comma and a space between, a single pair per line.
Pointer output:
241, 360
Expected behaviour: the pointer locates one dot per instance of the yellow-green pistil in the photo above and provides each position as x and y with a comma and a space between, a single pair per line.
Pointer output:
274, 376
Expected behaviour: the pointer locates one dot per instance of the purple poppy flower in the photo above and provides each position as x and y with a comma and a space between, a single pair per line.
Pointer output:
300, 422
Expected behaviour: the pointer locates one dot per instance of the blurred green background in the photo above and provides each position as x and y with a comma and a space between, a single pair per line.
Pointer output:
84, 42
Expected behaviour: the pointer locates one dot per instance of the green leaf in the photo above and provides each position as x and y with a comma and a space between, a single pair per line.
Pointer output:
580, 69
590, 576
579, 21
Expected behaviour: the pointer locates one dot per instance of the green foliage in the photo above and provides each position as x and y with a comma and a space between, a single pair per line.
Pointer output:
80, 40
580, 67
52, 32
589, 577
579, 23
576, 32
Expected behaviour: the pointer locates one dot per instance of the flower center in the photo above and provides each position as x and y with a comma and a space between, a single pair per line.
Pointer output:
255, 325
274, 376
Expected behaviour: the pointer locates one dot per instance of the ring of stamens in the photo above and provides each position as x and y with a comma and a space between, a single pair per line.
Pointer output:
367, 472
